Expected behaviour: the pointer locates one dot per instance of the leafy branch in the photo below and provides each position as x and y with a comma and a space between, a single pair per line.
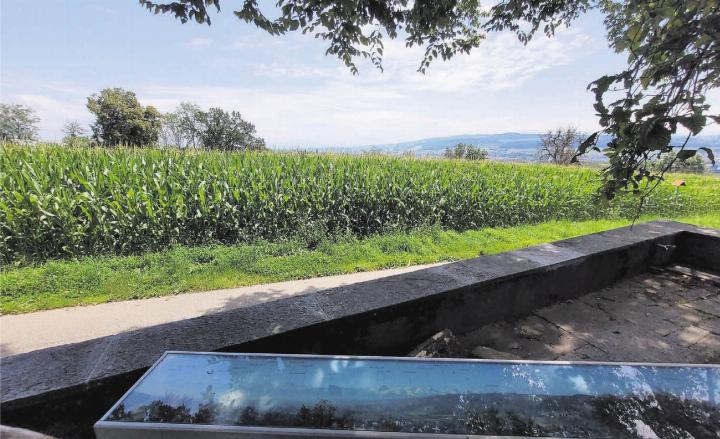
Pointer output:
673, 49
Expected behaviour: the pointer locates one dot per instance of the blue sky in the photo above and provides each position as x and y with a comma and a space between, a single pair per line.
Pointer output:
55, 53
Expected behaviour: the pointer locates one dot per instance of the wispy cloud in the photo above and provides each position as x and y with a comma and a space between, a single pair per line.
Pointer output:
500, 63
579, 383
297, 71
199, 42
53, 112
256, 42
298, 97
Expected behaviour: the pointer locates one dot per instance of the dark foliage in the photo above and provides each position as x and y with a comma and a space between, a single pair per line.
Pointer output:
121, 120
227, 131
465, 151
673, 49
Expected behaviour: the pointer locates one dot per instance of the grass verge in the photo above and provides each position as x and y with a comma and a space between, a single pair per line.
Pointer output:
59, 284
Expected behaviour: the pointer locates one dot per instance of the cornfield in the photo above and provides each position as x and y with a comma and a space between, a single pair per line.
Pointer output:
69, 202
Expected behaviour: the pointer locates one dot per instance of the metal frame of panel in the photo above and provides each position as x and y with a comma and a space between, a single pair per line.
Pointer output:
149, 430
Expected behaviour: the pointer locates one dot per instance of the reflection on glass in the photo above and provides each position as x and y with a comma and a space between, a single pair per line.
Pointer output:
463, 397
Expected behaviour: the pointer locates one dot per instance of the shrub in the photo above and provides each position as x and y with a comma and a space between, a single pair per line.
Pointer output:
466, 151
669, 162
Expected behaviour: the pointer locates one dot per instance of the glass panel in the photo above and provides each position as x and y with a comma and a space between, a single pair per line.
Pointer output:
435, 396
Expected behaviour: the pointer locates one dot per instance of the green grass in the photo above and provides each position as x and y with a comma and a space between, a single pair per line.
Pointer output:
82, 226
92, 280
71, 202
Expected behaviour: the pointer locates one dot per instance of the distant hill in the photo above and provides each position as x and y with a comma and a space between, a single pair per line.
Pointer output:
508, 146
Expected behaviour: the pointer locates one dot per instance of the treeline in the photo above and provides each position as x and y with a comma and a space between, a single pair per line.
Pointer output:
324, 415
465, 151
120, 119
561, 147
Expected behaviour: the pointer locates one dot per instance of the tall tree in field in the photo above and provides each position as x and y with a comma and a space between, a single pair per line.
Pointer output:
672, 47
73, 129
560, 146
18, 123
227, 131
75, 134
188, 117
182, 127
121, 120
170, 134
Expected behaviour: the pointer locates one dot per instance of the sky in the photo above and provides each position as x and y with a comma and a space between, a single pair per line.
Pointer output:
56, 53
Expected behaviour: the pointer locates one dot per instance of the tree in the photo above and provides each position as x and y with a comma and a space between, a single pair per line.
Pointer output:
182, 127
323, 414
465, 151
188, 119
159, 411
170, 134
560, 146
670, 162
249, 416
121, 120
18, 123
227, 131
521, 428
304, 417
355, 28
75, 135
73, 129
487, 422
673, 49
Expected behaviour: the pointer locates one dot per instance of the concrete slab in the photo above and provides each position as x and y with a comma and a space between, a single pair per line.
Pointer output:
661, 316
708, 348
709, 305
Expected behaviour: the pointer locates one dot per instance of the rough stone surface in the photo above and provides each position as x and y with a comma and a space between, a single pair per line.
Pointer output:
492, 354
387, 316
668, 316
441, 345
20, 433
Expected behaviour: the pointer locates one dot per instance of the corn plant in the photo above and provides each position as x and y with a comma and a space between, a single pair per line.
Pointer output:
70, 202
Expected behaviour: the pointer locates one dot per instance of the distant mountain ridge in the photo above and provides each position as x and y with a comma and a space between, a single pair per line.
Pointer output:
507, 145
512, 146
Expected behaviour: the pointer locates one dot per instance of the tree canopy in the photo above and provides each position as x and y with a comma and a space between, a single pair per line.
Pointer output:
560, 146
75, 134
669, 161
673, 49
227, 131
191, 127
465, 151
121, 120
18, 123
181, 128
